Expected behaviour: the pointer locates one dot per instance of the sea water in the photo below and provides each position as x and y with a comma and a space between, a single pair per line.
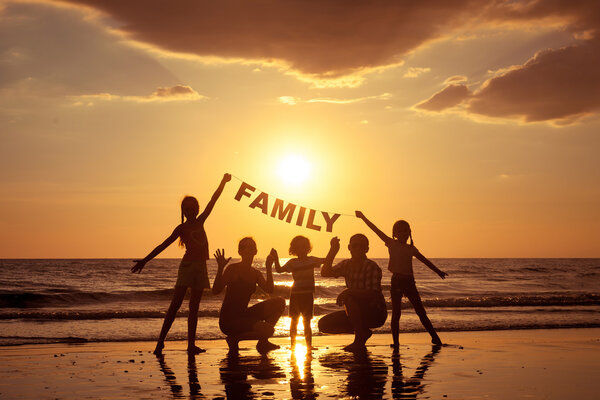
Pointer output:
78, 300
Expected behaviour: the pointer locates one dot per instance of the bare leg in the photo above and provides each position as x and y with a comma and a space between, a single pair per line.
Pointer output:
361, 331
195, 297
395, 323
307, 331
415, 299
273, 308
293, 329
176, 301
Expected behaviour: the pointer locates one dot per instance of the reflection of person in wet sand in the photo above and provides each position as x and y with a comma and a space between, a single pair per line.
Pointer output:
171, 380
234, 372
403, 279
192, 272
302, 382
366, 375
363, 301
236, 319
412, 387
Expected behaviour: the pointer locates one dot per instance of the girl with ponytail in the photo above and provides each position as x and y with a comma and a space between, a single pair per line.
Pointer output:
403, 280
192, 271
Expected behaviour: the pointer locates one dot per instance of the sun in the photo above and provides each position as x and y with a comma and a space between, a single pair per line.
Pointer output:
294, 169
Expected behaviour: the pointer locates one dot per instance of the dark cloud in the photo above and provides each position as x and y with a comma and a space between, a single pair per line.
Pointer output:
448, 97
559, 85
175, 91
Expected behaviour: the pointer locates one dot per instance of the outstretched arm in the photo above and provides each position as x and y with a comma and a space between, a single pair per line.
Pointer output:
215, 197
327, 268
371, 225
219, 283
139, 264
425, 261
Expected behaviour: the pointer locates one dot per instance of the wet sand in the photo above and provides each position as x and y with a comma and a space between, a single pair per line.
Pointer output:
533, 364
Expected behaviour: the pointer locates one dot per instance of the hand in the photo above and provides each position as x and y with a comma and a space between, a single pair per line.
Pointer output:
226, 178
442, 274
138, 267
341, 299
335, 244
273, 253
220, 257
359, 214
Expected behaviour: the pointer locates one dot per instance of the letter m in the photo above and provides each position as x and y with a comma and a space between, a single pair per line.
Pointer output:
278, 209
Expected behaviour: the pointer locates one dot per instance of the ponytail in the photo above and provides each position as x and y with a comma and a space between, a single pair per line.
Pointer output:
412, 243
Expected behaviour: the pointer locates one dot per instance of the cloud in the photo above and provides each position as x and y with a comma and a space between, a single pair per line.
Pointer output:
161, 94
292, 101
413, 72
560, 86
321, 40
448, 97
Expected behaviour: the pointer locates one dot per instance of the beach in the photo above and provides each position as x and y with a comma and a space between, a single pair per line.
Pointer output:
533, 364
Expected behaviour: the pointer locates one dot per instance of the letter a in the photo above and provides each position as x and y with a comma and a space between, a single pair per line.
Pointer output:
261, 201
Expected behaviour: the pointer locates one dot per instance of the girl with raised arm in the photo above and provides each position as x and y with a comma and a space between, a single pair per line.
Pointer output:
192, 272
236, 319
403, 280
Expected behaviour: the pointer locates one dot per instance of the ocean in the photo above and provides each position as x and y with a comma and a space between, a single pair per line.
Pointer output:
81, 300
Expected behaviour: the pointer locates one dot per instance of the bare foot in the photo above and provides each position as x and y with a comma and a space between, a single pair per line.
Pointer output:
159, 348
264, 346
395, 346
195, 350
355, 347
436, 340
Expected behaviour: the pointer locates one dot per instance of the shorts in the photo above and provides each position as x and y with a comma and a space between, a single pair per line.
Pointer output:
193, 274
236, 324
302, 303
403, 285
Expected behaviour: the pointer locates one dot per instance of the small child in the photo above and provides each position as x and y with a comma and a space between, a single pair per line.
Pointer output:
302, 292
403, 280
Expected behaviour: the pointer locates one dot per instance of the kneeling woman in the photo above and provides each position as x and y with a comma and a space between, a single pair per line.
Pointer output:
236, 319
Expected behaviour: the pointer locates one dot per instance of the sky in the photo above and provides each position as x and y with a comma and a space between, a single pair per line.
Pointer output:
477, 122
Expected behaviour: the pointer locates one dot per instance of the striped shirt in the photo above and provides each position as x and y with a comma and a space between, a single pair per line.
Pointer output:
359, 274
303, 272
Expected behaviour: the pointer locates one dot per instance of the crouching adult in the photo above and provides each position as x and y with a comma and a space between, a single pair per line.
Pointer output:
363, 301
236, 319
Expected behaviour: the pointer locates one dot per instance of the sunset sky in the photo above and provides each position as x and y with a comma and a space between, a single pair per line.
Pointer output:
475, 121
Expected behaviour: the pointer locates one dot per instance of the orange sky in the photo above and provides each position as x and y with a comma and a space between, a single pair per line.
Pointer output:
477, 122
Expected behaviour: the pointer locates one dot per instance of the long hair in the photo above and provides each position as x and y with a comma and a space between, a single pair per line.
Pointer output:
188, 202
402, 225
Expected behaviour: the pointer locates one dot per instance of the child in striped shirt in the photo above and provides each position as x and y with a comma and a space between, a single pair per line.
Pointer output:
302, 293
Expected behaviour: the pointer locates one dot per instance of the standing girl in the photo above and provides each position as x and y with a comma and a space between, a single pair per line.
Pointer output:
302, 292
192, 270
403, 280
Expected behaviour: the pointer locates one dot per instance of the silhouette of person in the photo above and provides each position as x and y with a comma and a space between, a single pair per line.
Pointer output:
412, 387
236, 319
403, 280
302, 292
366, 375
363, 300
192, 271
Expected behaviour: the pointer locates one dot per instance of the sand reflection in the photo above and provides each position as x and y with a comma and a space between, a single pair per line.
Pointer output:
410, 388
171, 379
302, 382
235, 369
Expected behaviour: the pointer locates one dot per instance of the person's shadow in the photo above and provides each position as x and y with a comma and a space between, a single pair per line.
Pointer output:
366, 375
171, 379
410, 388
302, 382
234, 371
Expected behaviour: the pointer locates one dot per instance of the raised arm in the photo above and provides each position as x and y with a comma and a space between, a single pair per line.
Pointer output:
267, 285
374, 228
220, 282
273, 258
139, 264
215, 197
327, 268
431, 266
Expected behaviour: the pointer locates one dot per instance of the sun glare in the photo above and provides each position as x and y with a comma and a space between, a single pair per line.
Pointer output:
294, 169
